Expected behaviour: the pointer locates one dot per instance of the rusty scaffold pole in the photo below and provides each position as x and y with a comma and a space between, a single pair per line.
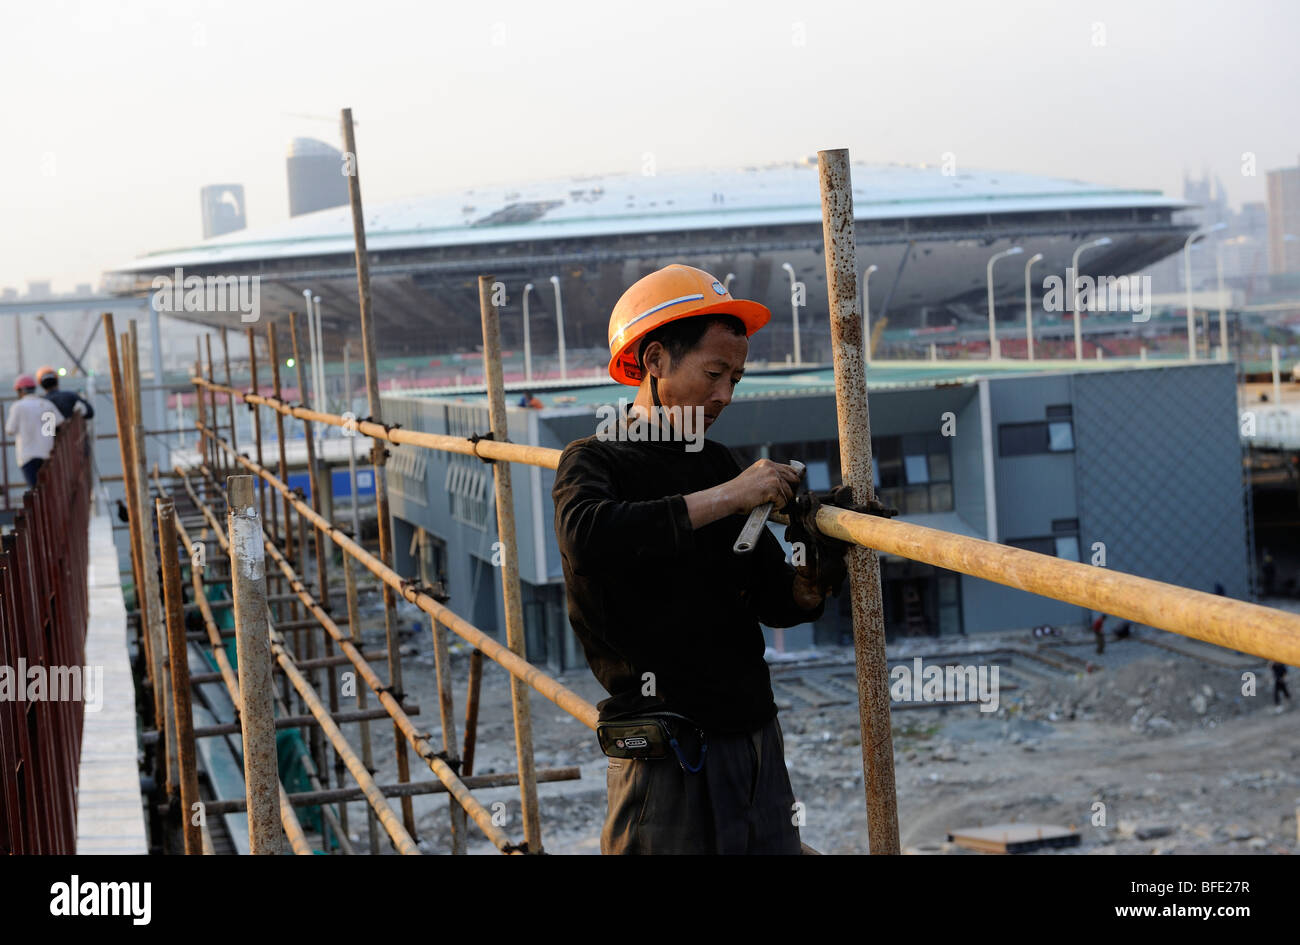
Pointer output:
256, 412
378, 454
279, 434
354, 634
833, 169
126, 448
230, 400
220, 459
446, 706
166, 722
315, 736
253, 652
178, 650
505, 503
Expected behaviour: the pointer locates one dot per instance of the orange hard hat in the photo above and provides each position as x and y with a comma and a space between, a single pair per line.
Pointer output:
43, 372
674, 292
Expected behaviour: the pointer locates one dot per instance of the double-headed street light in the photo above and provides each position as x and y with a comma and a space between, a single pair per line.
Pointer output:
1074, 291
993, 334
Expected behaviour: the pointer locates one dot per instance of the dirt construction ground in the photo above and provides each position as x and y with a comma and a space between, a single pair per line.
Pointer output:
1154, 746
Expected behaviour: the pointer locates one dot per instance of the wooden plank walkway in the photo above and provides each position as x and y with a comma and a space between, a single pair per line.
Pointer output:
110, 812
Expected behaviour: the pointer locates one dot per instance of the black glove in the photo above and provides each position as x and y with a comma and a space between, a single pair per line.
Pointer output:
824, 565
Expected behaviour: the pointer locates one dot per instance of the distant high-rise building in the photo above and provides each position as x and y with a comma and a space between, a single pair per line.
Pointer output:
316, 180
223, 209
1284, 220
39, 290
1253, 220
1208, 192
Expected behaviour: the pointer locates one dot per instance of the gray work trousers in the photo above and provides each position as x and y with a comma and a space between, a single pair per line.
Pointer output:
739, 802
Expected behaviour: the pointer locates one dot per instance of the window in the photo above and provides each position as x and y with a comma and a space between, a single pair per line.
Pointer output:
1054, 435
1043, 546
1063, 543
911, 473
1028, 439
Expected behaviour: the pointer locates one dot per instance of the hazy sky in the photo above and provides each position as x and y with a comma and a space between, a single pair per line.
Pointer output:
115, 114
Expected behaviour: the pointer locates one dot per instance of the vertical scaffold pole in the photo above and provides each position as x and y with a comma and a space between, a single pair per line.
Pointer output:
378, 454
855, 468
149, 564
253, 649
520, 691
178, 649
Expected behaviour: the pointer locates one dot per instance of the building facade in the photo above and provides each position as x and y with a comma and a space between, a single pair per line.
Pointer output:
1135, 468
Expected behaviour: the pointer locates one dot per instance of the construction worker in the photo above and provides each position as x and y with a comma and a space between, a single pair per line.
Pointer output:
32, 421
667, 614
68, 402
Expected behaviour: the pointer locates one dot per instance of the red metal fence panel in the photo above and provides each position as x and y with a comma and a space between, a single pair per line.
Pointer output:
44, 606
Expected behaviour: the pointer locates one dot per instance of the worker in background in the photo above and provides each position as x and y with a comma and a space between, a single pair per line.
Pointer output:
68, 402
32, 421
1098, 630
528, 400
667, 614
1279, 683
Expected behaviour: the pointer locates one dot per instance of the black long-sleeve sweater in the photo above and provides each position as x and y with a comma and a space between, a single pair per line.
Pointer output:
647, 593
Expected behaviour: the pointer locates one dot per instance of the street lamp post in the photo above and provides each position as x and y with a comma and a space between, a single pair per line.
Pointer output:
794, 309
866, 309
1029, 304
726, 283
559, 325
528, 344
320, 365
993, 334
1074, 291
1187, 278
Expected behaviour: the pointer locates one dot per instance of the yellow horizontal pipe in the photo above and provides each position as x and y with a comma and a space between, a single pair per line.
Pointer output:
1239, 625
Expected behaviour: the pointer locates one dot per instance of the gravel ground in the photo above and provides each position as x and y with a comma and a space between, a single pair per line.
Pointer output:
1143, 749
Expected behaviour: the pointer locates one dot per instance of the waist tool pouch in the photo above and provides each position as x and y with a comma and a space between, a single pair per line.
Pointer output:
650, 736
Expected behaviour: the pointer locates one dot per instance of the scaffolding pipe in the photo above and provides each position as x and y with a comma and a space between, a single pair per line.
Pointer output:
354, 633
1250, 628
126, 451
401, 720
378, 453
565, 698
288, 816
863, 563
178, 649
514, 609
253, 654
152, 600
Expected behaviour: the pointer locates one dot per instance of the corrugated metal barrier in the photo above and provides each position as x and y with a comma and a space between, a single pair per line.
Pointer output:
44, 602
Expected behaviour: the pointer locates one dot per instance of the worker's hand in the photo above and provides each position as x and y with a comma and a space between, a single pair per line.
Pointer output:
765, 481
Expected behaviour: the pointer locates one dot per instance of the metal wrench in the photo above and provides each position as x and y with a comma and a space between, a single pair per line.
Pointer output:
758, 520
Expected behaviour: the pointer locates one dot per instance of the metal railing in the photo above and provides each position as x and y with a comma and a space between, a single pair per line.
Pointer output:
44, 606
